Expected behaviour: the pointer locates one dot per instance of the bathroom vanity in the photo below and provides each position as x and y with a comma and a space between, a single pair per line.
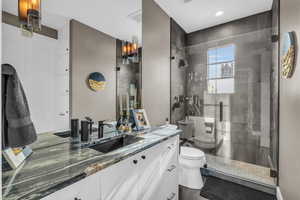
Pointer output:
147, 169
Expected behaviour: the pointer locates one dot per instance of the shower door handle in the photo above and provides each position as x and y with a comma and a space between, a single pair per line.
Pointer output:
171, 168
221, 111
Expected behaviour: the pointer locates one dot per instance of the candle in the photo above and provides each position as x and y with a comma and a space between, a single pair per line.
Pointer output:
127, 103
121, 105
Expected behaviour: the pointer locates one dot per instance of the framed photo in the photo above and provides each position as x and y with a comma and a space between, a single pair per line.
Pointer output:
141, 119
16, 156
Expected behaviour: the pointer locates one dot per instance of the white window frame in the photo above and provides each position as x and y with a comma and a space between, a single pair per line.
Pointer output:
219, 63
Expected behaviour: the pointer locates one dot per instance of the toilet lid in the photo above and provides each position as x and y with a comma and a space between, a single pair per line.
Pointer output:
191, 153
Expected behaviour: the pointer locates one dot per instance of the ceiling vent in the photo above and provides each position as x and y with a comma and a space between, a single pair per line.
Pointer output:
136, 16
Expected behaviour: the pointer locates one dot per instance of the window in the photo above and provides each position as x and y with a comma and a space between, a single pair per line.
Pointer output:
220, 69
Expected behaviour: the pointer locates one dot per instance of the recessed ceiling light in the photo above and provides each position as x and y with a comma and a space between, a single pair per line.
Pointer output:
219, 13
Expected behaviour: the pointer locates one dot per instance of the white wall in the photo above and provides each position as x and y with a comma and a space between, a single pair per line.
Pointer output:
156, 63
289, 127
41, 63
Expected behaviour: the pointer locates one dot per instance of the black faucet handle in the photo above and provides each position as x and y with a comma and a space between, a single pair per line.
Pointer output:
101, 122
89, 119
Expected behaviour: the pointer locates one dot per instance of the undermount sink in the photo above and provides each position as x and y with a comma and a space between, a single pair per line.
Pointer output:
115, 143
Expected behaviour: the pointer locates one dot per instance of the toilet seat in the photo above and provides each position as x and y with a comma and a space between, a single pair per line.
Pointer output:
191, 153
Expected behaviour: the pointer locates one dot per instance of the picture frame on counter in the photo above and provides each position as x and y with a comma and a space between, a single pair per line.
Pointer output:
16, 156
141, 119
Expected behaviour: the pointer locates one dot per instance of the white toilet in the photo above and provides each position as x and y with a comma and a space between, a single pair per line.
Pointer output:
190, 161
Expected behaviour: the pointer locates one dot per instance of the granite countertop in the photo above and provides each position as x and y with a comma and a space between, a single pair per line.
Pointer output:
55, 165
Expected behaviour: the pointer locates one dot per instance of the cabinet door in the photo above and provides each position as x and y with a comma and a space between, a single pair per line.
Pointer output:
159, 176
170, 184
86, 189
150, 174
169, 155
120, 181
169, 167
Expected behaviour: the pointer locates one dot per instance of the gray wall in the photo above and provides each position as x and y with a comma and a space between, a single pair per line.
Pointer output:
289, 139
156, 63
92, 51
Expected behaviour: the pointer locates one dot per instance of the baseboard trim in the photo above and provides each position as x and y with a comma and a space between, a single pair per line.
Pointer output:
278, 194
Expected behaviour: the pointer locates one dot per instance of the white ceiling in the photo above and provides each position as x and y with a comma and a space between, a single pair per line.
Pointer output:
108, 16
193, 15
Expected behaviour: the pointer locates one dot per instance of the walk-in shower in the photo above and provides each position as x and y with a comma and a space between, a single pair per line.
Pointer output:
222, 99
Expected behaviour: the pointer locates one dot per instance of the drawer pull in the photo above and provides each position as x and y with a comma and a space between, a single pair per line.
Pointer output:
172, 168
143, 157
135, 161
172, 196
77, 198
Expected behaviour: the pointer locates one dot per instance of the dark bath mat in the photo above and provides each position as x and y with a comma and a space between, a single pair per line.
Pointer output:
218, 189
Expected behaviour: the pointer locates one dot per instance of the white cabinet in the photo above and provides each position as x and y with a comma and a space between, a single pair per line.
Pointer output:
86, 189
132, 179
149, 175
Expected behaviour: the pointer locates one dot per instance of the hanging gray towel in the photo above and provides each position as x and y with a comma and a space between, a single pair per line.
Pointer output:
20, 130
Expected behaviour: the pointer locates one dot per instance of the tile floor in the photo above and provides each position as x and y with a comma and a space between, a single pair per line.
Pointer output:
189, 194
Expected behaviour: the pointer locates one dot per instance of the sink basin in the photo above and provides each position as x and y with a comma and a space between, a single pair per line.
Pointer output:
115, 143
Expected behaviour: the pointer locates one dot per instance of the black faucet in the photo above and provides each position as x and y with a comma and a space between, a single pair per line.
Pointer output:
90, 121
101, 125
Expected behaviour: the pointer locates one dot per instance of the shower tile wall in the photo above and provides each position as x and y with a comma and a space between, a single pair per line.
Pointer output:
246, 125
178, 74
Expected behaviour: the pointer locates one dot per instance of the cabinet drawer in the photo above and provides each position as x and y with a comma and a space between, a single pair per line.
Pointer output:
170, 184
169, 155
169, 167
86, 189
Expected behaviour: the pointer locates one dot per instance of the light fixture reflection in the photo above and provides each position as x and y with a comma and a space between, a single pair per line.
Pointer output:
219, 13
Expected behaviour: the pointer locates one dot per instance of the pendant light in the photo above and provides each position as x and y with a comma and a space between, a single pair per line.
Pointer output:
30, 15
